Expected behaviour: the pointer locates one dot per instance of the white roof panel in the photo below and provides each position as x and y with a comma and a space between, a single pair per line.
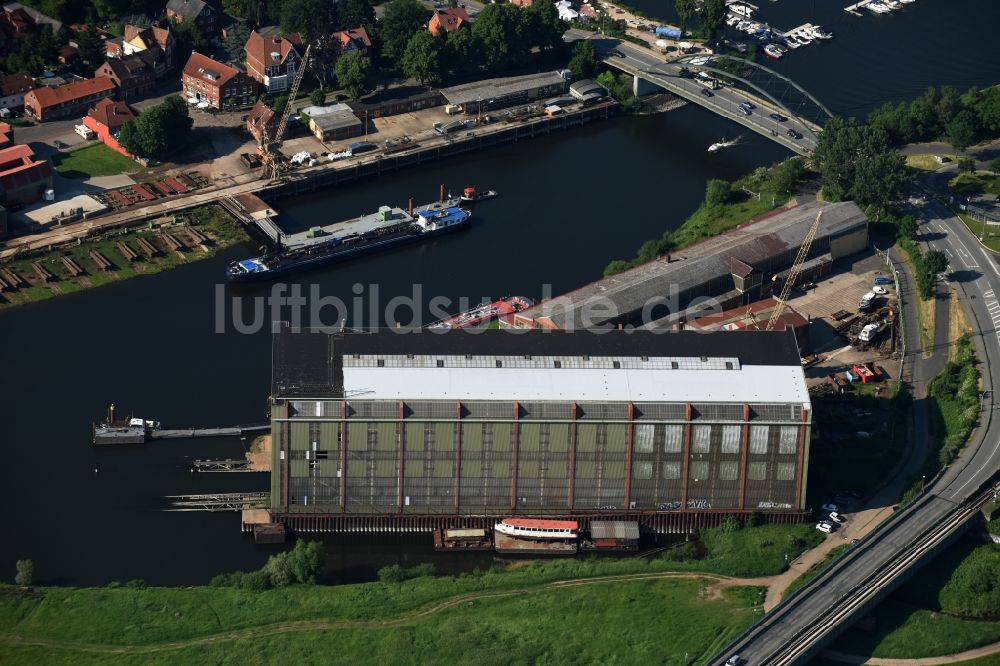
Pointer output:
762, 383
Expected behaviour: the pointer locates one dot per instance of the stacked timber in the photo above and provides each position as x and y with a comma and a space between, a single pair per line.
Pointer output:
147, 248
71, 266
127, 252
12, 278
43, 274
101, 261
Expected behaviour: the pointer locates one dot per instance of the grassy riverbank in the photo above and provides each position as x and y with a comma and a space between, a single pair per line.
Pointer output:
659, 608
218, 226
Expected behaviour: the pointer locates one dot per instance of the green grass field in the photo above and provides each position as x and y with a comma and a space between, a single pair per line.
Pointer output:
93, 160
651, 621
978, 182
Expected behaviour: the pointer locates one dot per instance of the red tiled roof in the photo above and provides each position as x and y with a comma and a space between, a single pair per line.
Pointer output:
18, 167
270, 50
260, 114
210, 71
12, 84
15, 156
111, 114
151, 37
48, 96
358, 34
448, 20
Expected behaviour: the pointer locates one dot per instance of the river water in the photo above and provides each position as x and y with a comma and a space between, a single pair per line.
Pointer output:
165, 347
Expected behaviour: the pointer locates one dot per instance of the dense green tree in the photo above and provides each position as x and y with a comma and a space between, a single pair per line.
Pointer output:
988, 109
717, 192
279, 570
966, 165
422, 58
907, 227
236, 38
687, 10
856, 161
712, 16
461, 54
400, 20
545, 28
354, 13
25, 572
354, 73
949, 103
308, 18
189, 38
90, 47
995, 166
935, 262
317, 97
585, 63
881, 179
962, 129
786, 176
158, 130
500, 32
306, 561
34, 53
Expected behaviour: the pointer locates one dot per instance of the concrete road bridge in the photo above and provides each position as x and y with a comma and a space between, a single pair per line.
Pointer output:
744, 81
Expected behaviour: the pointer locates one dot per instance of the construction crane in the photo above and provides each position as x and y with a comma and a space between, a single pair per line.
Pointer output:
269, 145
793, 273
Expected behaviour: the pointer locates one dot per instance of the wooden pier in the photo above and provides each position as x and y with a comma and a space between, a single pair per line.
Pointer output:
184, 433
225, 465
216, 501
853, 9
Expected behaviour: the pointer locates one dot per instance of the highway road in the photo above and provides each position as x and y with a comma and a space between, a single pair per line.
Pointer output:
725, 101
797, 629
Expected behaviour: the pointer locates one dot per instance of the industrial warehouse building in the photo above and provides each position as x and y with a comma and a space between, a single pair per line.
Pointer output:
735, 268
414, 430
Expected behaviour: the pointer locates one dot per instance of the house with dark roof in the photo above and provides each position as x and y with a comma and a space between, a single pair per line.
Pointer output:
207, 80
23, 178
106, 118
198, 12
26, 20
73, 99
273, 59
12, 89
133, 75
448, 20
159, 41
262, 118
355, 39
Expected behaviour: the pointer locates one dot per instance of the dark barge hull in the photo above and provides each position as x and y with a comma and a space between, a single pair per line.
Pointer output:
340, 253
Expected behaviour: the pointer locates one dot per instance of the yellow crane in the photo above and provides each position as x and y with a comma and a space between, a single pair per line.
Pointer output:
269, 147
793, 273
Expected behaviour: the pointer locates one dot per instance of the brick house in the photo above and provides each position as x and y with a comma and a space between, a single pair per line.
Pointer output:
448, 20
73, 99
12, 89
206, 80
142, 40
18, 21
6, 135
262, 117
106, 119
355, 39
198, 12
272, 60
23, 179
132, 74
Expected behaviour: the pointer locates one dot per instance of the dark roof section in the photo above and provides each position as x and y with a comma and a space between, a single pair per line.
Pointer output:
307, 363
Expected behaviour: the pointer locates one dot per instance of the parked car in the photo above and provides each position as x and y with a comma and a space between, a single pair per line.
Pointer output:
777, 116
707, 93
618, 54
747, 105
824, 527
793, 134
837, 518
829, 507
746, 112
883, 279
880, 290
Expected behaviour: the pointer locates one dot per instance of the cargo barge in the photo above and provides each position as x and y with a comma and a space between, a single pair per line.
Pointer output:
341, 241
502, 308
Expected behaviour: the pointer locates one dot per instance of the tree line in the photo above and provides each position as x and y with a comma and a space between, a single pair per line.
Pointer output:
961, 119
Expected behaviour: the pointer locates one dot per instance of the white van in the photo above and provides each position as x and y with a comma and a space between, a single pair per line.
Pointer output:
867, 300
868, 333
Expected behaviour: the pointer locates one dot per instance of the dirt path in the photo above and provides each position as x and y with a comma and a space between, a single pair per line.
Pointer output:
322, 625
956, 658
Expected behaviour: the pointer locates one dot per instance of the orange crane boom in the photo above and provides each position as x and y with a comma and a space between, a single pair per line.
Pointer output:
793, 273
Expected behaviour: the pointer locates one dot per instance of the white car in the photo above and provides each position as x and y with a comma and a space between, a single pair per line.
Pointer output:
825, 527
829, 507
837, 518
881, 291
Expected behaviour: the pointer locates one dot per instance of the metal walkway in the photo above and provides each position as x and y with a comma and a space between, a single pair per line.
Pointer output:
217, 501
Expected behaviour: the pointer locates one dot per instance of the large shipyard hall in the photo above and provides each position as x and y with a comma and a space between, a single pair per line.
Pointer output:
391, 430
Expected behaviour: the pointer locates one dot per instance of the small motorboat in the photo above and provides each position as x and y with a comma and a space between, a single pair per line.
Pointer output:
773, 51
716, 147
471, 195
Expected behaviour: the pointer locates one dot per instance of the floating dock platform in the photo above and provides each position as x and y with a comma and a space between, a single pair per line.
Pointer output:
508, 545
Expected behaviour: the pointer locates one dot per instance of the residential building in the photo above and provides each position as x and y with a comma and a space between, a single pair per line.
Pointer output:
20, 20
106, 119
12, 89
355, 39
262, 118
133, 75
272, 60
6, 135
222, 86
523, 4
72, 99
394, 430
198, 12
335, 122
448, 20
23, 178
142, 40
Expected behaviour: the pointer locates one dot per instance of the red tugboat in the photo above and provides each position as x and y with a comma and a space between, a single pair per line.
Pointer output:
501, 308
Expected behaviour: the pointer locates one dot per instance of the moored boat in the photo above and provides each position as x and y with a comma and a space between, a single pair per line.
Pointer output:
501, 308
537, 528
472, 195
773, 51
